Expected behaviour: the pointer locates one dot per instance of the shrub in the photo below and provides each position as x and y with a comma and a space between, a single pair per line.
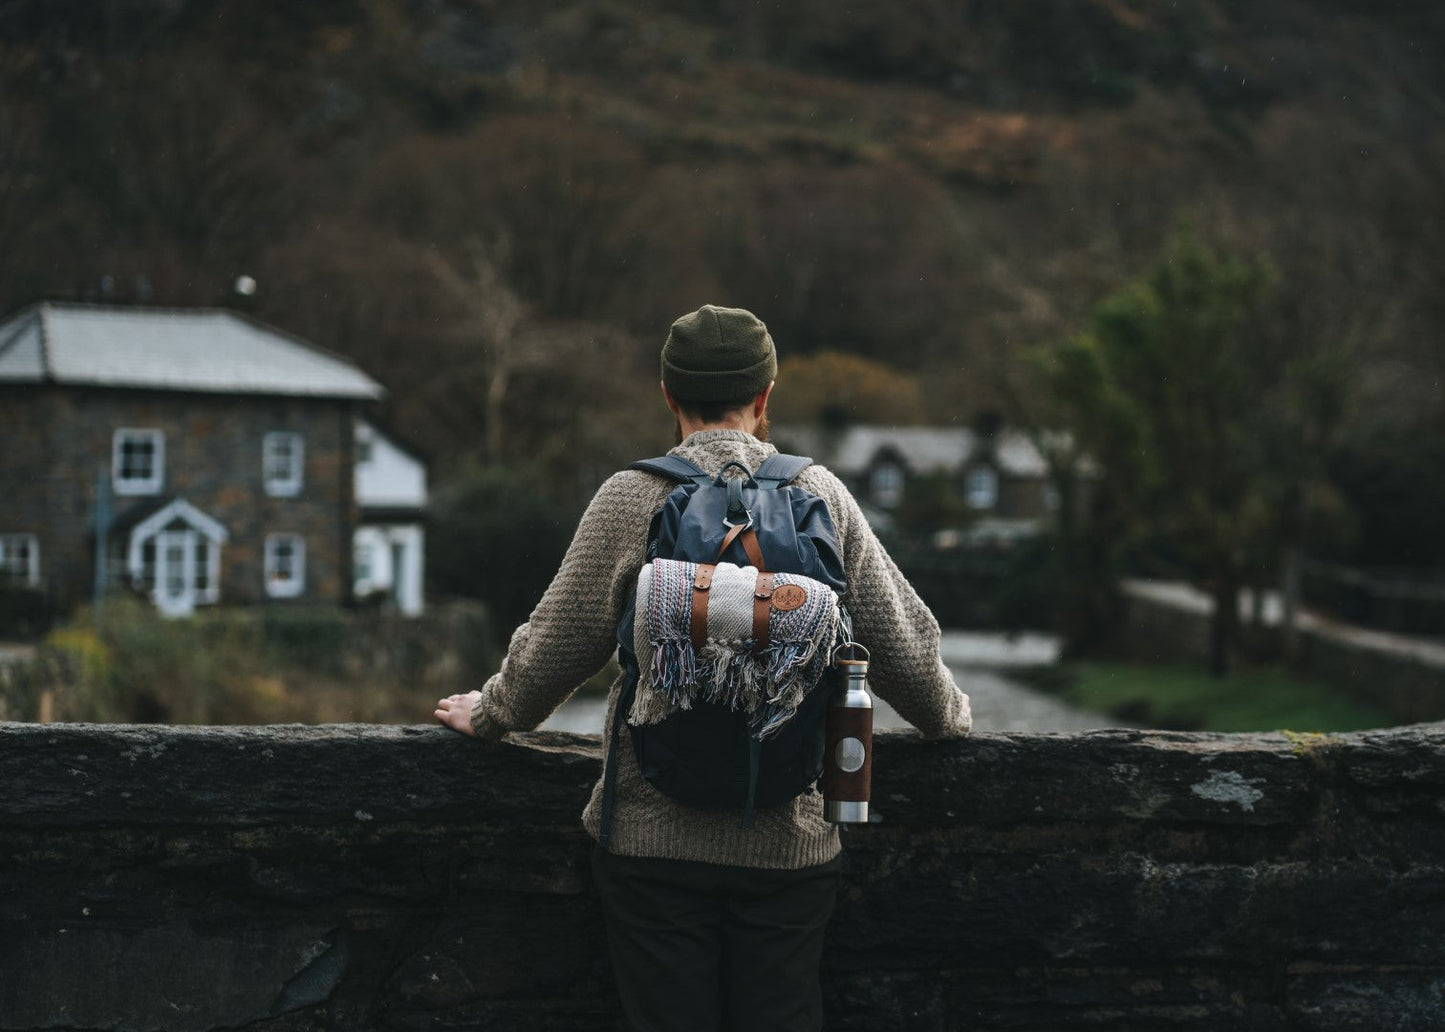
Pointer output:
312, 637
245, 666
25, 613
498, 537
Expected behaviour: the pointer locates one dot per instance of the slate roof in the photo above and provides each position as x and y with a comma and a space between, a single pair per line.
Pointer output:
923, 450
204, 350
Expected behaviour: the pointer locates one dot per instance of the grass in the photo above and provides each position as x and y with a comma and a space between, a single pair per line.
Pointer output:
1186, 698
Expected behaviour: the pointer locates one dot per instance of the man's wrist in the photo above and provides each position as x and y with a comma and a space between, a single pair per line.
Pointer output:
483, 723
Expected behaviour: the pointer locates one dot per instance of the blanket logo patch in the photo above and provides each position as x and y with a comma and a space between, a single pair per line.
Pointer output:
787, 597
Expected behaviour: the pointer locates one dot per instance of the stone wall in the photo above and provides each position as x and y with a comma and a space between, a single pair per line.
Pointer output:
1400, 675
213, 446
360, 877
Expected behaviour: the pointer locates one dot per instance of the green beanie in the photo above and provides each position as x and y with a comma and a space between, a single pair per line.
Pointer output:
718, 355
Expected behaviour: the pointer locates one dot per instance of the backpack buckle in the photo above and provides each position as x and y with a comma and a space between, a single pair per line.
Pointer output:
737, 514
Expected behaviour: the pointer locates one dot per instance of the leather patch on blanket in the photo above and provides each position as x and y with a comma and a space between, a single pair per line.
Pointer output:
787, 597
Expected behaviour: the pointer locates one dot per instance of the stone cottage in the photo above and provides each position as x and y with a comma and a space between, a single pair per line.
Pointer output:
193, 456
1001, 477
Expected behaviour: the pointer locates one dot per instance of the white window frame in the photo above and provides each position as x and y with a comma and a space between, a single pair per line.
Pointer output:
30, 576
212, 591
980, 487
135, 485
289, 485
291, 587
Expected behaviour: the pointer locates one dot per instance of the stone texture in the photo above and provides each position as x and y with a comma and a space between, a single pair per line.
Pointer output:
292, 878
213, 449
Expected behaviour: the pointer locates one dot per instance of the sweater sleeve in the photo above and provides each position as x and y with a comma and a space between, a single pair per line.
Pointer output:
896, 626
572, 631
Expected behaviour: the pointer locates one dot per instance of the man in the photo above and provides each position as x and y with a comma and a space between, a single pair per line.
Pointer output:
710, 925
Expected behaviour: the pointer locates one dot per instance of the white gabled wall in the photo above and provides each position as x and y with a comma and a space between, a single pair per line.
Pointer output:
389, 477
390, 557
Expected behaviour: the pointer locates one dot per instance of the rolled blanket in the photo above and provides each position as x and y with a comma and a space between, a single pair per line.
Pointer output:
767, 684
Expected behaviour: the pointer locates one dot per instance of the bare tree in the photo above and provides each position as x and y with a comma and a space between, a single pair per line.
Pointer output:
494, 311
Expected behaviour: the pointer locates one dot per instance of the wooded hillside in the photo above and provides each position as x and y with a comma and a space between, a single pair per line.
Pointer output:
498, 206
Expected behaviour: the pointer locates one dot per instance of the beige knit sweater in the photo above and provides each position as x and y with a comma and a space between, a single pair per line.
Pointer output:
571, 635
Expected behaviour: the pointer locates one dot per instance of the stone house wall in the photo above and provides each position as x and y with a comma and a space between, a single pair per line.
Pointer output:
213, 459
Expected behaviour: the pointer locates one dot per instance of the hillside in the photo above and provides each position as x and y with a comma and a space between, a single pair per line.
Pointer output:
498, 207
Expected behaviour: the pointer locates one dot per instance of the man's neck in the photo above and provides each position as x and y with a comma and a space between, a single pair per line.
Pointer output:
748, 425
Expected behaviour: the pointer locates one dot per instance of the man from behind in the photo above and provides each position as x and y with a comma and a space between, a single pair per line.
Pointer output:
711, 924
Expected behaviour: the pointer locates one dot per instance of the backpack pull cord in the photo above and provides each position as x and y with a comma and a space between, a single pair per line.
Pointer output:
755, 756
609, 762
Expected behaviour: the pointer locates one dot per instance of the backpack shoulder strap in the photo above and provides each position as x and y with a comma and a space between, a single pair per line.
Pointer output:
673, 467
779, 470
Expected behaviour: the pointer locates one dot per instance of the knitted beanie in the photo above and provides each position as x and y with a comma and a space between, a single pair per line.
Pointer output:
718, 355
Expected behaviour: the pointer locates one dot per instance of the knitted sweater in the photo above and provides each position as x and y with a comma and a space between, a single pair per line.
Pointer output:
571, 635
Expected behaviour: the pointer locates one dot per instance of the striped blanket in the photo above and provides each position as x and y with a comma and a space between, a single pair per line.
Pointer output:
767, 684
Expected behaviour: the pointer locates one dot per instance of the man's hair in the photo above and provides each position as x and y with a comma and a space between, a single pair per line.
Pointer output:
716, 412
711, 411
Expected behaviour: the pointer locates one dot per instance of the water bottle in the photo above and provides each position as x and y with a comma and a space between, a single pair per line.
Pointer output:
848, 761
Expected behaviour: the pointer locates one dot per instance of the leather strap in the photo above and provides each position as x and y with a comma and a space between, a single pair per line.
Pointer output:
762, 599
753, 549
744, 532
701, 582
732, 535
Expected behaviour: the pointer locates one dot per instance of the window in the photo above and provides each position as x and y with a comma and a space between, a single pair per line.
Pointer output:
138, 461
981, 487
146, 579
285, 565
19, 559
885, 484
361, 563
281, 458
205, 561
363, 444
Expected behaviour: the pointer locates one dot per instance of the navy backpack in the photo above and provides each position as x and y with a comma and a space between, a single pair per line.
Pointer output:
707, 756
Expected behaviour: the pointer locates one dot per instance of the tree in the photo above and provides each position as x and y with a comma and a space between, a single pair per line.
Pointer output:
834, 388
494, 311
1163, 389
497, 536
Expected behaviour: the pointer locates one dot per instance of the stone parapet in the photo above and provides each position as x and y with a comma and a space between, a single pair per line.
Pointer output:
369, 877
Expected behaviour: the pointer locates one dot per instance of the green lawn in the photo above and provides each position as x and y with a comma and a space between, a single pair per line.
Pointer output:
1187, 698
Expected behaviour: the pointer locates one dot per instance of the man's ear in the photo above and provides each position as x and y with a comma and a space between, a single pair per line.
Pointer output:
760, 400
671, 401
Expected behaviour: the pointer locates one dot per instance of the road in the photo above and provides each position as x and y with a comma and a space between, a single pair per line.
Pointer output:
979, 663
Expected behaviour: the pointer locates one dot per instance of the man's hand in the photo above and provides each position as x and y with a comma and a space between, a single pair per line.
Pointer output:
455, 711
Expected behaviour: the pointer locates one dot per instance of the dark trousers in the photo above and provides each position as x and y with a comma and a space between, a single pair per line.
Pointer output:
703, 947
